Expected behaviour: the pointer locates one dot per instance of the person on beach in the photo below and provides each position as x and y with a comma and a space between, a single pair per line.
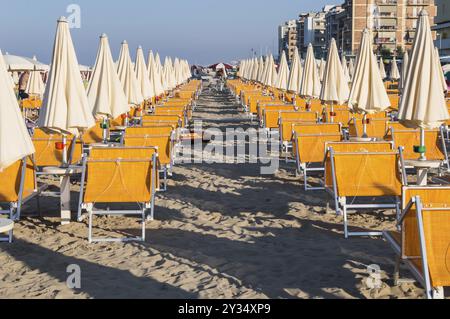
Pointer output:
23, 81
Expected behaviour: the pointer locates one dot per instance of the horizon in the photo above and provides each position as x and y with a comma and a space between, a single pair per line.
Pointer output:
186, 35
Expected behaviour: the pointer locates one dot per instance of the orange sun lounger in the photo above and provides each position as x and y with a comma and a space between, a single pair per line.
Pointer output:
423, 241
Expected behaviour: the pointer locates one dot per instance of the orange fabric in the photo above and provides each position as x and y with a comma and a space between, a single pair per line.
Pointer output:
367, 174
10, 182
410, 138
125, 181
311, 148
46, 152
162, 142
377, 128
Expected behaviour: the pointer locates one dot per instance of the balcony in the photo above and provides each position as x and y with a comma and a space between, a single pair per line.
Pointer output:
382, 15
418, 2
385, 41
386, 2
386, 28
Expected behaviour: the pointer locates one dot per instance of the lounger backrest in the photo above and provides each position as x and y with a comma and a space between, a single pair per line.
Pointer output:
286, 128
150, 130
376, 128
327, 128
410, 138
302, 116
436, 222
272, 115
93, 135
120, 175
162, 142
310, 140
366, 174
47, 153
11, 179
352, 147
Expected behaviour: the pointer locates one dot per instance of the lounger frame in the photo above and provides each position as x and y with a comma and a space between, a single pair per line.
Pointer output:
342, 207
92, 211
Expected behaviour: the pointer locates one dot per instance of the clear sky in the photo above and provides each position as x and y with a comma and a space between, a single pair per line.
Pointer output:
203, 31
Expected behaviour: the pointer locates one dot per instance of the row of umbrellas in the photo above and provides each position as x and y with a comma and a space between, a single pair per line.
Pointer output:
422, 104
68, 108
254, 70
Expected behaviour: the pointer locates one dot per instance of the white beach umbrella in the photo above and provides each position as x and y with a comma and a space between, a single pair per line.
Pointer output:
335, 87
405, 66
441, 73
345, 69
423, 104
269, 73
128, 78
105, 92
35, 85
382, 68
154, 75
142, 75
368, 94
351, 69
15, 77
15, 141
255, 69
295, 77
2, 62
395, 74
322, 69
65, 107
260, 70
283, 74
310, 85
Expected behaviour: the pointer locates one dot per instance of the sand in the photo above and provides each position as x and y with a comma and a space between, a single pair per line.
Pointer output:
221, 231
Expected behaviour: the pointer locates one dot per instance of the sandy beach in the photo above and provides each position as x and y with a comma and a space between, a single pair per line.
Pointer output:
220, 231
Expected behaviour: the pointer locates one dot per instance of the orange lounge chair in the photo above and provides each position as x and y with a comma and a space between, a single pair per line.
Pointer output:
423, 241
309, 147
125, 175
361, 174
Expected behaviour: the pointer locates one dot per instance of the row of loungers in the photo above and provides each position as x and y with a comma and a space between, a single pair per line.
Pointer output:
362, 174
125, 170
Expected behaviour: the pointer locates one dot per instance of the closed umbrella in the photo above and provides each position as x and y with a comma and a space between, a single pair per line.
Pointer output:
255, 69
351, 69
105, 92
423, 104
2, 62
310, 85
322, 69
405, 65
142, 75
127, 76
35, 85
295, 78
382, 69
283, 74
334, 86
395, 74
260, 70
441, 73
15, 142
345, 69
367, 95
65, 107
154, 75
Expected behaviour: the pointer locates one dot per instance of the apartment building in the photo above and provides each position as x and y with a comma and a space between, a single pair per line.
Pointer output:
442, 27
287, 38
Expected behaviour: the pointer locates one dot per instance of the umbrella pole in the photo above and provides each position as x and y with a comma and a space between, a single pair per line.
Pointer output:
365, 126
332, 113
64, 150
105, 127
422, 149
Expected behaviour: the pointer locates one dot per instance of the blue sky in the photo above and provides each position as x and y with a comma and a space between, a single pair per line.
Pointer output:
203, 31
